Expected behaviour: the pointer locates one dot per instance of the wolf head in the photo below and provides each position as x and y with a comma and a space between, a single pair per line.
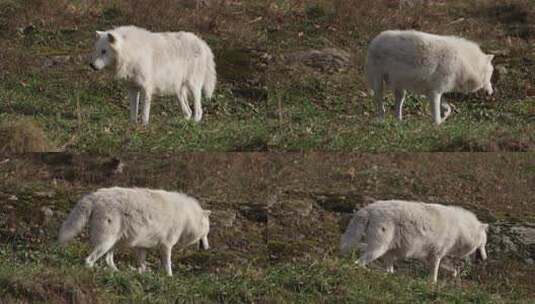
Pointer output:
105, 50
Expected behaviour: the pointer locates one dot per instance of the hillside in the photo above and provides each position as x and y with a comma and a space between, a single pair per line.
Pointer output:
290, 77
275, 228
320, 99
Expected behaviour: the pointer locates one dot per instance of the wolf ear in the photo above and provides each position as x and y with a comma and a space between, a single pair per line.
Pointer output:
490, 57
111, 38
485, 227
207, 213
99, 34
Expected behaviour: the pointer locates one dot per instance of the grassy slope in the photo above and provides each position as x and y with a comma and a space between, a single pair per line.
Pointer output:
90, 110
333, 111
321, 282
305, 109
288, 258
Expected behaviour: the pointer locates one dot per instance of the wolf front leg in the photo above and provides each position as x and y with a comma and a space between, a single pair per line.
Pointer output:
134, 95
197, 106
399, 94
147, 96
204, 243
435, 263
165, 259
434, 99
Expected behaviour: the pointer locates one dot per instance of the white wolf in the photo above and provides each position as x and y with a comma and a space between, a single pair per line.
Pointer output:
426, 64
158, 63
428, 232
138, 218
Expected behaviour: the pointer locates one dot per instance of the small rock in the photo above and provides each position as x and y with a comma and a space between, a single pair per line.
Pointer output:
273, 200
410, 3
47, 214
12, 198
525, 234
337, 203
26, 30
507, 245
83, 57
225, 218
113, 167
255, 213
328, 59
45, 194
300, 207
55, 61
501, 69
529, 261
196, 3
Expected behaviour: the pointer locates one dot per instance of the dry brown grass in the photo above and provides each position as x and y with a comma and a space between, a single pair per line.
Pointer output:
23, 135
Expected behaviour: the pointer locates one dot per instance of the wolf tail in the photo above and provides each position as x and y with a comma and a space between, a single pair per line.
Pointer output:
355, 230
76, 220
210, 77
374, 76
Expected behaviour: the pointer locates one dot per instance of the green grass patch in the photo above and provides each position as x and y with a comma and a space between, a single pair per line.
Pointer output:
46, 279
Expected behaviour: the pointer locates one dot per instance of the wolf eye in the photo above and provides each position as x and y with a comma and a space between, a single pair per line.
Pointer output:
103, 52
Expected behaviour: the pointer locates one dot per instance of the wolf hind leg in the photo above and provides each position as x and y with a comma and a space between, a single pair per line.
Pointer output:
447, 109
197, 106
389, 259
100, 249
182, 96
378, 87
141, 254
435, 108
433, 262
134, 95
450, 267
109, 260
104, 231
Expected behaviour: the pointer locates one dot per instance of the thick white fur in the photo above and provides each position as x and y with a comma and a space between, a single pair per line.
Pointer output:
158, 63
428, 232
426, 64
138, 218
